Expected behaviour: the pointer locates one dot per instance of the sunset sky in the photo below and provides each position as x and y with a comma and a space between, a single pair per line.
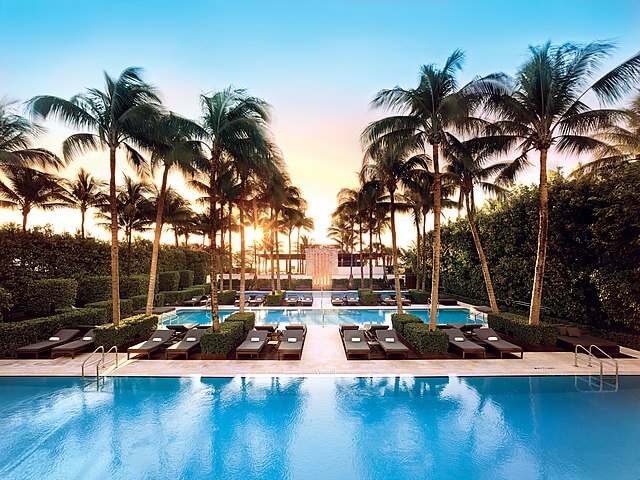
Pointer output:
317, 63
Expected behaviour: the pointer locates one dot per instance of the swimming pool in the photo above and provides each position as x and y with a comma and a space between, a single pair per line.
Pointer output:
334, 316
319, 428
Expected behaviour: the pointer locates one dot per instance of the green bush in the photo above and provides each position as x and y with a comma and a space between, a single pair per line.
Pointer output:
168, 281
517, 326
221, 343
247, 318
94, 289
400, 320
367, 297
419, 296
199, 273
425, 341
6, 302
134, 285
186, 279
340, 283
126, 307
138, 302
18, 334
140, 326
46, 297
275, 299
176, 297
205, 286
301, 284
226, 297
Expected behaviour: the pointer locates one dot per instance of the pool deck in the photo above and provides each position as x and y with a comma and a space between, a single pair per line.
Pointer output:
323, 354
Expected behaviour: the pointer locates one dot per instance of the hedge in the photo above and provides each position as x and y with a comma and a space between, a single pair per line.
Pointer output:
275, 299
419, 296
159, 299
186, 279
247, 318
222, 342
18, 334
168, 281
176, 297
205, 286
400, 320
199, 273
226, 297
424, 341
126, 307
301, 283
517, 326
367, 297
46, 297
128, 330
94, 289
133, 285
138, 302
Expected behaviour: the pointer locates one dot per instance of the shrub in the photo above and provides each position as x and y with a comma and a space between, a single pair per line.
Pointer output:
6, 301
419, 296
45, 297
222, 342
93, 289
424, 341
186, 279
18, 334
205, 286
400, 320
199, 273
128, 330
168, 281
159, 299
226, 297
176, 297
126, 308
367, 297
138, 302
517, 326
134, 285
247, 318
339, 283
301, 284
275, 298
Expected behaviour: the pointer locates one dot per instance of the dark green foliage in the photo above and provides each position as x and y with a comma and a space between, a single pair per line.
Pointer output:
275, 299
199, 273
419, 296
301, 283
340, 283
205, 286
168, 281
221, 343
6, 302
226, 297
133, 285
46, 297
159, 299
94, 289
176, 297
126, 307
140, 326
138, 302
18, 334
367, 297
400, 320
247, 318
186, 279
517, 326
424, 341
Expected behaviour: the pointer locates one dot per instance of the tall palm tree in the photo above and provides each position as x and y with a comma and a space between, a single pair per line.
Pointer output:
349, 211
372, 211
114, 119
426, 115
83, 192
545, 109
26, 189
302, 222
176, 211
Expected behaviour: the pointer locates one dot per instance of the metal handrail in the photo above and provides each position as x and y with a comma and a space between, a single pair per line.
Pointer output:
100, 348
575, 361
601, 360
98, 365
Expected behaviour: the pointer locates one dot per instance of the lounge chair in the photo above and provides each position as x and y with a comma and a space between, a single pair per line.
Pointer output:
458, 341
253, 345
343, 328
389, 342
570, 337
492, 341
292, 343
291, 300
405, 301
388, 300
371, 328
306, 300
83, 344
157, 341
337, 300
450, 302
181, 327
297, 326
353, 299
355, 343
37, 349
194, 301
257, 300
189, 344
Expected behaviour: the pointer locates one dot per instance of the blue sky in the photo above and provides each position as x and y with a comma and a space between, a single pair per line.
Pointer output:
317, 63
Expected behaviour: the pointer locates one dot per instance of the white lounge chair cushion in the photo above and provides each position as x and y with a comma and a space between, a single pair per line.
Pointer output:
255, 339
355, 339
390, 339
292, 340
493, 339
156, 339
193, 299
54, 339
87, 339
459, 339
191, 339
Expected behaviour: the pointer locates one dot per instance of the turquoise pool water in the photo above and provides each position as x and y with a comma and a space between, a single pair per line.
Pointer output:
318, 428
316, 317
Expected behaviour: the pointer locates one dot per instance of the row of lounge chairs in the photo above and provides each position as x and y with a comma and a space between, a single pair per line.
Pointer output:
288, 342
359, 342
65, 342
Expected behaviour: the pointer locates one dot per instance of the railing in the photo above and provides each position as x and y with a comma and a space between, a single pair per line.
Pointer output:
101, 361
99, 349
608, 360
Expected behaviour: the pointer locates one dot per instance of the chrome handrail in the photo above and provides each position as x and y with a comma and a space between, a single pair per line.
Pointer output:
575, 362
599, 360
609, 357
98, 365
100, 348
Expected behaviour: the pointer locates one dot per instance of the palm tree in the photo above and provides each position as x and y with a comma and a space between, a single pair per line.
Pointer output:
344, 216
545, 109
425, 116
26, 189
84, 192
117, 118
176, 211
302, 222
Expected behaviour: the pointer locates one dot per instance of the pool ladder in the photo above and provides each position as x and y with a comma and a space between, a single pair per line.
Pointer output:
101, 361
608, 359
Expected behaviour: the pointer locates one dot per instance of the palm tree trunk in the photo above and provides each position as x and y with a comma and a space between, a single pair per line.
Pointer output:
424, 251
113, 208
435, 267
394, 252
157, 234
271, 247
289, 262
483, 259
418, 248
129, 239
351, 260
83, 212
361, 256
229, 229
242, 249
215, 319
25, 213
277, 245
222, 252
298, 251
541, 254
371, 253
384, 263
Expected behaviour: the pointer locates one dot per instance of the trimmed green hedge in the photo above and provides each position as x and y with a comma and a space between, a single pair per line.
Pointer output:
247, 318
126, 307
205, 286
128, 330
138, 302
517, 326
400, 320
159, 299
419, 296
221, 343
133, 285
94, 289
226, 297
367, 297
199, 273
168, 281
46, 297
186, 279
176, 297
425, 341
301, 284
18, 334
275, 299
